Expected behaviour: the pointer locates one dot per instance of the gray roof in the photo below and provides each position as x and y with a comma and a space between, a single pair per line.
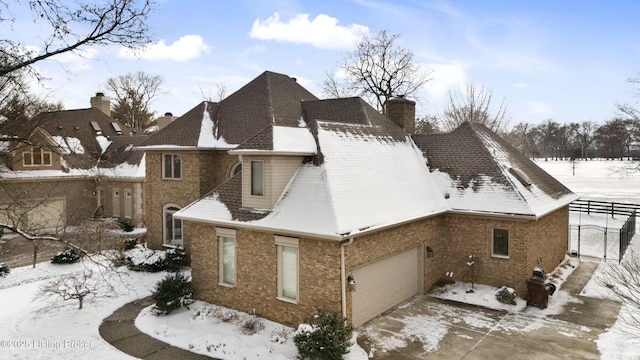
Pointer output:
474, 157
269, 99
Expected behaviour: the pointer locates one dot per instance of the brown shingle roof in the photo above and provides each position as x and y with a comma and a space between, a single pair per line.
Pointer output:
465, 156
269, 99
77, 124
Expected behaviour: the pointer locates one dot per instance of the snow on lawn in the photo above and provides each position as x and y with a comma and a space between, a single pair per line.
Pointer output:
217, 331
41, 327
485, 296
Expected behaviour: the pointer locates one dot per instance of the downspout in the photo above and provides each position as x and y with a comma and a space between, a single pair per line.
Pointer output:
343, 276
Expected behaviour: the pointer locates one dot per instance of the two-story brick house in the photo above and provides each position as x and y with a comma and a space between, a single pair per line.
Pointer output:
336, 207
64, 167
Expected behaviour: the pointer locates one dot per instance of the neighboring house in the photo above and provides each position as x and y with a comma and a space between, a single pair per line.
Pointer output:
64, 167
334, 206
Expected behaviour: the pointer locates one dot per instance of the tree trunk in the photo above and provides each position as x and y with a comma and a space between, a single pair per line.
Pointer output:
80, 302
35, 253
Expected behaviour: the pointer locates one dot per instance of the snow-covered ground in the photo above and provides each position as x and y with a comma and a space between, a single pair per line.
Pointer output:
38, 327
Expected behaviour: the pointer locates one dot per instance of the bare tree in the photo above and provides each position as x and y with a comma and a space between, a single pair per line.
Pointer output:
220, 90
585, 135
70, 27
77, 286
134, 93
624, 280
378, 70
475, 106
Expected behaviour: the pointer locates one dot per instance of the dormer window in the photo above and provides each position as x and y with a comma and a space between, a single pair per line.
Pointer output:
36, 157
257, 177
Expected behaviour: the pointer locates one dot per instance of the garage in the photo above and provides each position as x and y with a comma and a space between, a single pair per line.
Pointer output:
47, 215
384, 284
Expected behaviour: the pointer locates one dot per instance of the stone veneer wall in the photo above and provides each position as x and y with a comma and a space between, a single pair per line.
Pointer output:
529, 240
256, 287
202, 171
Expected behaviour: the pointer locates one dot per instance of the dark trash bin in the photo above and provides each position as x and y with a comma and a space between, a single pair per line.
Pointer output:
538, 293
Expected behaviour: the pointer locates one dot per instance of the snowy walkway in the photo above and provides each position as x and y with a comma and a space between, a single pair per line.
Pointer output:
119, 330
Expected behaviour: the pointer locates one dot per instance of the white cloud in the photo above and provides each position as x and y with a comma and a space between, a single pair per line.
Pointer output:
520, 85
321, 32
445, 77
539, 107
187, 47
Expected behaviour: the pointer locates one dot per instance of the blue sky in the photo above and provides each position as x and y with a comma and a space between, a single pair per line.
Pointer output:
563, 60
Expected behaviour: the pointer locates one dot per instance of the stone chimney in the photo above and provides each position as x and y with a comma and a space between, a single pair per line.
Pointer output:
402, 112
101, 103
165, 120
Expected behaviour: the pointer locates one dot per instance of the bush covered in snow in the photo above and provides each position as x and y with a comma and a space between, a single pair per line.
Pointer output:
140, 258
326, 337
251, 324
129, 243
175, 260
171, 293
68, 256
4, 270
506, 295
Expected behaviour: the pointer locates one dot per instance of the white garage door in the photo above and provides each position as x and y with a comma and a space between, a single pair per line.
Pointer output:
384, 284
48, 215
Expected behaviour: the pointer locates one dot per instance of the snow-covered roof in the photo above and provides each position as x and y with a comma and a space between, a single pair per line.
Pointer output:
281, 140
366, 181
481, 173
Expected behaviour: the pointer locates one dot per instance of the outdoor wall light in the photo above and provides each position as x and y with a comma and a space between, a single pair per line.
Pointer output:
351, 283
429, 251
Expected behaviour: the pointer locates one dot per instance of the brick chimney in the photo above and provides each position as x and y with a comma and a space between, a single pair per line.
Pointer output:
101, 103
402, 111
165, 120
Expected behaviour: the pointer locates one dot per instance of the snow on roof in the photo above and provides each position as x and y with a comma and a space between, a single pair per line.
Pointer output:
365, 182
485, 195
103, 142
123, 170
209, 133
69, 145
286, 140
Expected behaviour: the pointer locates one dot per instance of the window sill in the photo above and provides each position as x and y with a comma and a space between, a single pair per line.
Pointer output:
171, 179
231, 286
500, 256
290, 301
171, 246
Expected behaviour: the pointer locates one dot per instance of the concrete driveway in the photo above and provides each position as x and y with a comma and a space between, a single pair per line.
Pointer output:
427, 327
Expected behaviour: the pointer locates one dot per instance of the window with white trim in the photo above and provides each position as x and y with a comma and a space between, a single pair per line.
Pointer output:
288, 268
235, 170
172, 227
36, 156
257, 177
171, 166
227, 256
500, 244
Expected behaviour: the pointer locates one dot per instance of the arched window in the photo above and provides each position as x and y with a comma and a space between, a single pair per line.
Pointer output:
172, 227
235, 170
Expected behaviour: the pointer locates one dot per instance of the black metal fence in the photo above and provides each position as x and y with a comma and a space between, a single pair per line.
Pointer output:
585, 232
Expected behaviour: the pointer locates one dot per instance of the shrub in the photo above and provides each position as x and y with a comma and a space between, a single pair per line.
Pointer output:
171, 293
251, 324
280, 335
506, 295
142, 259
175, 260
68, 256
129, 243
126, 225
326, 337
4, 270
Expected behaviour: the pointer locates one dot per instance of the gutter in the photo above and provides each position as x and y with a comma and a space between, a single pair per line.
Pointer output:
343, 276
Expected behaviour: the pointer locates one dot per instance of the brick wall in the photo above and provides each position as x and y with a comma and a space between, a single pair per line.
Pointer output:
256, 287
202, 171
529, 240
